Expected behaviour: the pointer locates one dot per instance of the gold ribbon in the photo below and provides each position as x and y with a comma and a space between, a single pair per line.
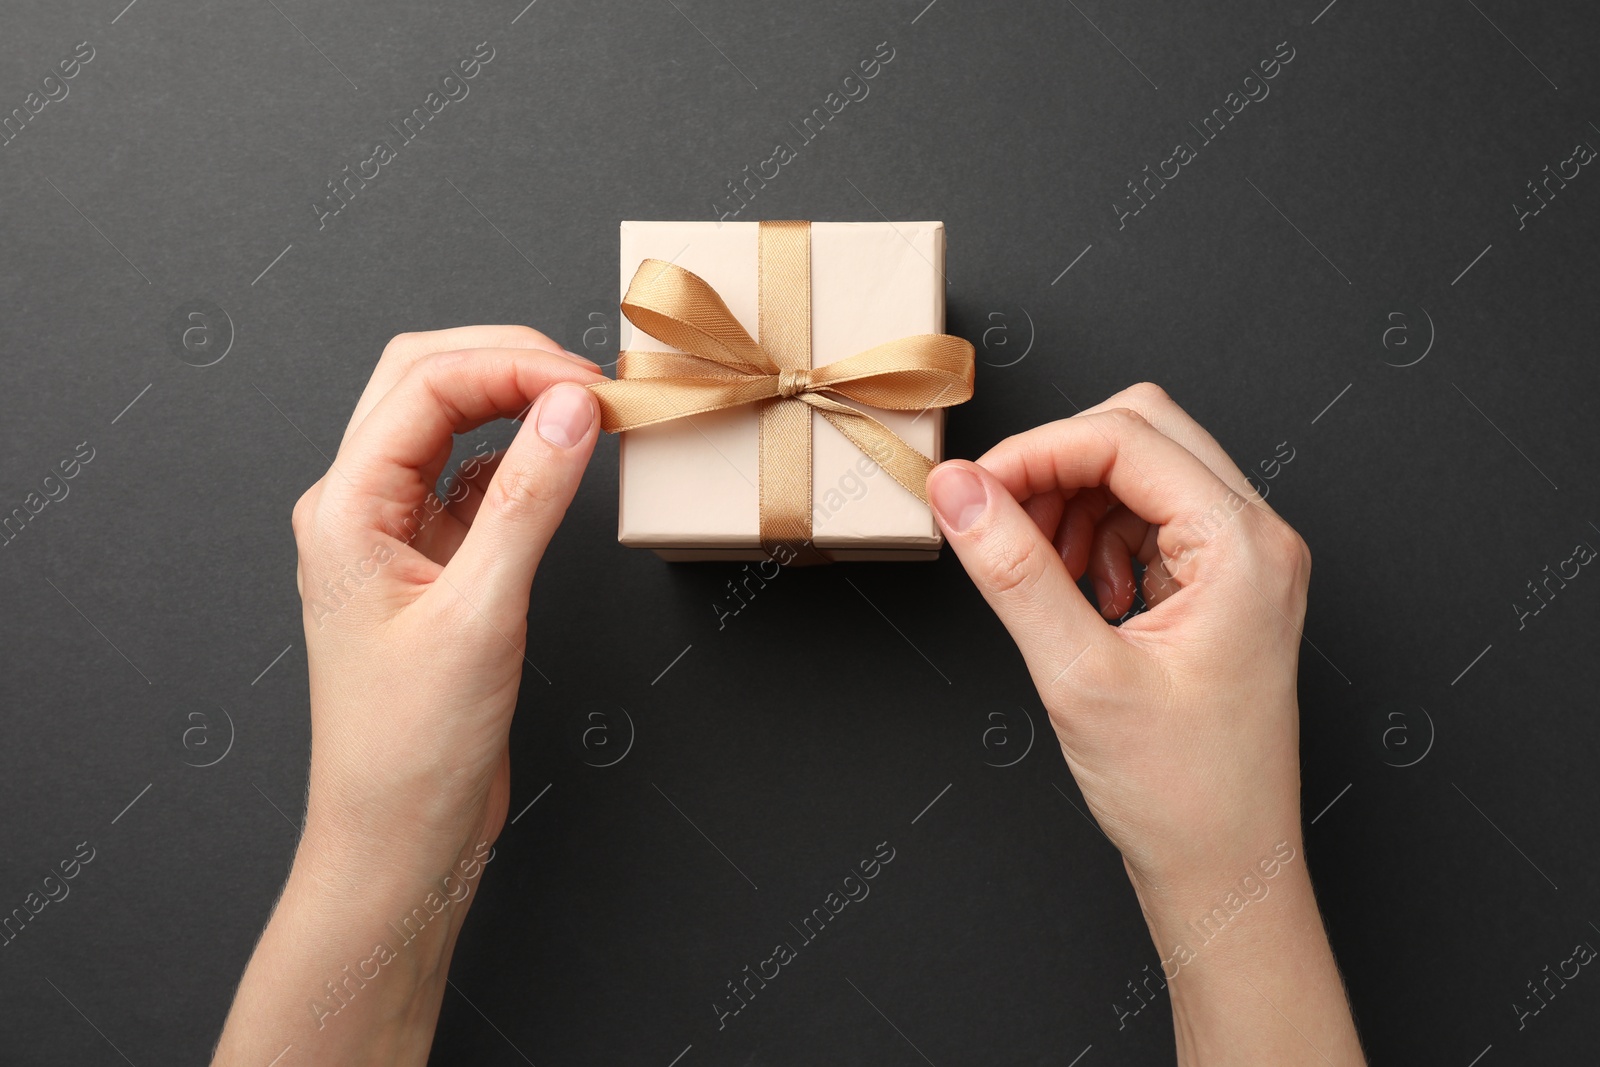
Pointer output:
721, 367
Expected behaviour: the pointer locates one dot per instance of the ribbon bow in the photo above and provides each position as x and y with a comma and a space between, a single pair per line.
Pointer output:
720, 367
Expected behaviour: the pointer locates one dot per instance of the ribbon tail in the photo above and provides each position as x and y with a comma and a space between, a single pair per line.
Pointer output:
879, 443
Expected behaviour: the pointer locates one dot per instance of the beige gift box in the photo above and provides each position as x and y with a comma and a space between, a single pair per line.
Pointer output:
689, 487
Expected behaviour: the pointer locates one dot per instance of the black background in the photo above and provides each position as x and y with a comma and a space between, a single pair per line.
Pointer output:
1398, 141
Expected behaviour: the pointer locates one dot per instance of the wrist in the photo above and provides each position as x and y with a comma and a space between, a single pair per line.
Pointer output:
362, 827
394, 890
389, 936
1247, 965
1192, 907
352, 966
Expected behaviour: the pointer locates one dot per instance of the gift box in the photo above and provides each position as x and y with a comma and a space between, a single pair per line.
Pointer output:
780, 389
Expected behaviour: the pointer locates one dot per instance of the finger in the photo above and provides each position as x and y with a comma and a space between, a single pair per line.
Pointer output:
1158, 479
390, 464
1120, 538
1161, 411
470, 485
1016, 568
525, 502
407, 349
1046, 511
1075, 536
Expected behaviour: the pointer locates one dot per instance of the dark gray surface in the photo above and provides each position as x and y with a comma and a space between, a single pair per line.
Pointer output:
184, 161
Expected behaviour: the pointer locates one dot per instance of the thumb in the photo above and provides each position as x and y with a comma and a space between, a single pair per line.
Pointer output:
1018, 572
525, 502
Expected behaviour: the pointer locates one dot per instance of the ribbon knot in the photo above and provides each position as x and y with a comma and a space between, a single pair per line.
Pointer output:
719, 366
792, 382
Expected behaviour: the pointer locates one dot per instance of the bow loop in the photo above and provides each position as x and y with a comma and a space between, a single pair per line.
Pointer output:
678, 306
907, 374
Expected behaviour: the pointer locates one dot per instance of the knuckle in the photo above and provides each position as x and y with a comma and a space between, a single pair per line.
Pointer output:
408, 351
431, 373
432, 362
1126, 418
1303, 563
1285, 549
403, 354
536, 338
439, 365
399, 346
1015, 567
520, 488
300, 516
1147, 395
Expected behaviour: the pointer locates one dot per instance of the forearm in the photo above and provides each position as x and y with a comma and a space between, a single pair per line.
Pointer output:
351, 968
1249, 969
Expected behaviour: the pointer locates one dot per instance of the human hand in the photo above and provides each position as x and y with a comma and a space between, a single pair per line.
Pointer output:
415, 608
1181, 726
415, 611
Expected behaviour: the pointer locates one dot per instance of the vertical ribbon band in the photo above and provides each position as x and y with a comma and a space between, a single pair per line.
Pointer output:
785, 333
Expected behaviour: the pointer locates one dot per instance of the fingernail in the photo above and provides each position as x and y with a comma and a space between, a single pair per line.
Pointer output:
581, 359
565, 413
958, 496
1102, 593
